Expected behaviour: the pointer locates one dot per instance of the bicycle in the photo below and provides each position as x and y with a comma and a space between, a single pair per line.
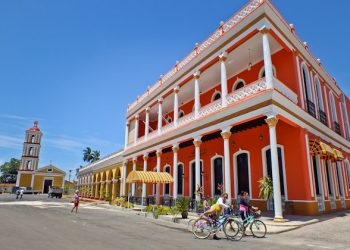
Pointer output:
204, 227
256, 226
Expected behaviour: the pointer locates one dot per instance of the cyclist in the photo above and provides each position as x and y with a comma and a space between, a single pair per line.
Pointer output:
244, 205
217, 209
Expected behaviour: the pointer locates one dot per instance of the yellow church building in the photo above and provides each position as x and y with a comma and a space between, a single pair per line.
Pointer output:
39, 180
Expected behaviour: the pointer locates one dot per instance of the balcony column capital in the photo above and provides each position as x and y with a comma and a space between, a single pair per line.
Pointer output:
272, 121
196, 74
176, 148
223, 57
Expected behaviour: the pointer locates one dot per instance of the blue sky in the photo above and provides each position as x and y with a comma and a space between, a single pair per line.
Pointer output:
75, 65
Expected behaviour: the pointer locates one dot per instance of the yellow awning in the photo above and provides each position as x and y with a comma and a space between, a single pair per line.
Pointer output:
149, 177
339, 154
322, 149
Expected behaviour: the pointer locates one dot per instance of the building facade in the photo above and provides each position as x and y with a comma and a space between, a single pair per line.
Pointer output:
102, 179
29, 175
250, 101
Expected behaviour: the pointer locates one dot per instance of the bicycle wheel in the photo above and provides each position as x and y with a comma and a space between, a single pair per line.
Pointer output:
233, 229
202, 228
258, 229
190, 224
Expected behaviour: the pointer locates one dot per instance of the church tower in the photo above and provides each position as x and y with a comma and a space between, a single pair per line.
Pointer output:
31, 149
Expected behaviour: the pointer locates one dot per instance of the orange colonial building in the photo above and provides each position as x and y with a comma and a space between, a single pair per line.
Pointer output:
250, 101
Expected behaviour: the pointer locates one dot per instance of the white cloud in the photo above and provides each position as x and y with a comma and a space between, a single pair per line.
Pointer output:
10, 142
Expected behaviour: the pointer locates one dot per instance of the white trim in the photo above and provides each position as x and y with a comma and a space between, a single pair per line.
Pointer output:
238, 80
312, 192
47, 178
301, 93
183, 178
236, 172
307, 84
215, 93
333, 107
190, 175
318, 92
260, 75
342, 119
212, 159
327, 107
165, 167
263, 153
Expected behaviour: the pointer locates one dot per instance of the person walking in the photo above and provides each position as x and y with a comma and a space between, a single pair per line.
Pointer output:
21, 193
76, 201
17, 193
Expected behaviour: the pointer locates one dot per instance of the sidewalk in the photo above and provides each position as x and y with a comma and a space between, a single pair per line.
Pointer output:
293, 222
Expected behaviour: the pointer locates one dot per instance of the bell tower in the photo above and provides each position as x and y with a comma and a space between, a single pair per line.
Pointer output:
31, 149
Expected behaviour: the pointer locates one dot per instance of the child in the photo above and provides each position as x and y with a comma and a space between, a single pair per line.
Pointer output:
244, 205
76, 202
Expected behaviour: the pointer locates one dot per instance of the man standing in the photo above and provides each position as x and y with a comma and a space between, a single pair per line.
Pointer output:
22, 191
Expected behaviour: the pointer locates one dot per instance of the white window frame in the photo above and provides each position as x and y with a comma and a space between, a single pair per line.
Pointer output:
164, 168
215, 93
236, 172
274, 72
263, 152
190, 175
307, 84
238, 80
318, 92
212, 172
333, 107
183, 178
181, 111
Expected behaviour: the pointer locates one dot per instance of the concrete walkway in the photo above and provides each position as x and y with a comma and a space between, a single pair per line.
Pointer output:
292, 221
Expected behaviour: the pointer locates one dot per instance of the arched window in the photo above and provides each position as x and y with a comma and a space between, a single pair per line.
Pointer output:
30, 151
334, 110
319, 94
262, 72
238, 84
167, 186
193, 178
181, 113
180, 177
29, 165
306, 81
169, 120
242, 172
32, 139
348, 173
217, 173
216, 96
268, 165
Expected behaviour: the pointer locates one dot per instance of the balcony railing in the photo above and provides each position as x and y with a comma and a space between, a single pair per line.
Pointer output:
337, 128
238, 95
311, 108
223, 29
323, 117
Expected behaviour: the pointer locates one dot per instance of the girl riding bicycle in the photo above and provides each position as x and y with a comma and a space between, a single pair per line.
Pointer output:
244, 205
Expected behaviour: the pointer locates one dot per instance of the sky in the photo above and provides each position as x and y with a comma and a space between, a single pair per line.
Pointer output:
75, 65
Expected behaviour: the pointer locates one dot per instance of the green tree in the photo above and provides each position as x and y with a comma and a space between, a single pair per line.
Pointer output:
87, 157
9, 171
95, 155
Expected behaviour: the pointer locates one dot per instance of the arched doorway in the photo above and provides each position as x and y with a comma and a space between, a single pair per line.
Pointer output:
242, 172
180, 176
193, 178
217, 175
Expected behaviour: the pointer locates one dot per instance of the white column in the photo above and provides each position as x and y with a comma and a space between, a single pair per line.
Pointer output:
124, 178
267, 57
223, 58
126, 134
133, 186
197, 101
175, 173
226, 134
197, 143
144, 190
18, 179
176, 105
160, 115
159, 160
136, 131
147, 123
272, 121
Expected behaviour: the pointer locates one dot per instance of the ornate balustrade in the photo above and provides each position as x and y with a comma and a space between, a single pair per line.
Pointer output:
199, 49
248, 90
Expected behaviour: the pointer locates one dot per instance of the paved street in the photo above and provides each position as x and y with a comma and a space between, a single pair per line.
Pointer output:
38, 223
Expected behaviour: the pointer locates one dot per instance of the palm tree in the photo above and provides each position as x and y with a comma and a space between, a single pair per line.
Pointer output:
88, 157
95, 155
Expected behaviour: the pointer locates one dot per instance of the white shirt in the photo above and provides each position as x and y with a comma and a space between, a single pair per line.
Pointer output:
221, 203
